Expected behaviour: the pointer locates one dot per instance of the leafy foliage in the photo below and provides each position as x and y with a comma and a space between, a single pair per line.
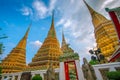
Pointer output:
72, 75
37, 77
3, 36
0, 70
113, 75
94, 62
1, 48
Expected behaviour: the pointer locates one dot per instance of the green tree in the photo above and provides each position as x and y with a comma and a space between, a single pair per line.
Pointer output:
37, 77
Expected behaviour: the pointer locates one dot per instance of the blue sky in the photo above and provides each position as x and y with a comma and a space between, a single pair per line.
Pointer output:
71, 15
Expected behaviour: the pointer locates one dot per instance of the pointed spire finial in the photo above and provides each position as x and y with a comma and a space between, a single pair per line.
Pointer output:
52, 32
52, 19
23, 41
26, 35
65, 47
96, 17
63, 38
89, 8
64, 44
52, 15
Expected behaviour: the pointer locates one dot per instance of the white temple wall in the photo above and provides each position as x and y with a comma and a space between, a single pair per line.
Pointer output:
33, 73
61, 71
109, 66
11, 76
79, 70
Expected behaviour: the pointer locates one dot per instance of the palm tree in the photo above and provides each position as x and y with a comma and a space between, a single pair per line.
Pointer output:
1, 49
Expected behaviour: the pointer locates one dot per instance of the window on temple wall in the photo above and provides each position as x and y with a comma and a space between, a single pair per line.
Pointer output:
5, 77
104, 72
16, 77
10, 78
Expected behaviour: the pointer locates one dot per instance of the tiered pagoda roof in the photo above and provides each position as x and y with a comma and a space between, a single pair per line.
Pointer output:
49, 51
16, 60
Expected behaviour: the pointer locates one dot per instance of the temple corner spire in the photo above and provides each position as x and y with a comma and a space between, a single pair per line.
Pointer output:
63, 39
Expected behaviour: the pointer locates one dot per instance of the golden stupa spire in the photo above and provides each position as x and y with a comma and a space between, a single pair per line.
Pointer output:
16, 59
49, 51
52, 32
102, 32
22, 43
89, 8
97, 18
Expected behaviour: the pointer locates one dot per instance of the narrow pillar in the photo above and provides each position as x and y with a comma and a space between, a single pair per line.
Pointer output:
2, 77
13, 77
98, 74
79, 71
62, 71
33, 75
41, 74
19, 76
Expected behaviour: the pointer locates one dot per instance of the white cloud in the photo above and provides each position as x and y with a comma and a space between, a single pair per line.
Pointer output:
106, 3
26, 11
36, 43
75, 20
77, 23
60, 22
71, 1
52, 5
40, 8
77, 26
67, 24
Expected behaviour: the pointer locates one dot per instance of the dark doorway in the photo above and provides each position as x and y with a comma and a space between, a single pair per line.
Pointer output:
26, 76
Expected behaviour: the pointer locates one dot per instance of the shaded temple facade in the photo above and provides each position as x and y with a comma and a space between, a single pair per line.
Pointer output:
68, 52
105, 34
49, 51
16, 59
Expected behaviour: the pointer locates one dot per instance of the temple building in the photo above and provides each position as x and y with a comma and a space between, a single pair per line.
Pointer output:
115, 17
49, 51
105, 34
16, 59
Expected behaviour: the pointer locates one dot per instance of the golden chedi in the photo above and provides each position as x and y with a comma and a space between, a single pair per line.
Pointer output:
16, 59
105, 34
49, 51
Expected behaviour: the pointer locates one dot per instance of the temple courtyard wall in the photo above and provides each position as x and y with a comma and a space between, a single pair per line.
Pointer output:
100, 71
